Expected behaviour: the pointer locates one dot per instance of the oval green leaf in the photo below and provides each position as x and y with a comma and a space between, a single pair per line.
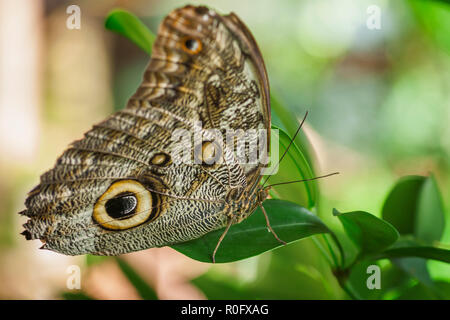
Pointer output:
414, 207
400, 205
430, 216
249, 238
369, 233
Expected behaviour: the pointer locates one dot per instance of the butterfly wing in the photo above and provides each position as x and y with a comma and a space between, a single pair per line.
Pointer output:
121, 188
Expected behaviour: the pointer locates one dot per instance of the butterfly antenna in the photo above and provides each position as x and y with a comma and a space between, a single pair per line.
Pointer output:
303, 180
287, 149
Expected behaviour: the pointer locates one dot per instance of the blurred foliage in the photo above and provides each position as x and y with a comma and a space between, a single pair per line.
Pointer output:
126, 24
141, 286
378, 96
75, 296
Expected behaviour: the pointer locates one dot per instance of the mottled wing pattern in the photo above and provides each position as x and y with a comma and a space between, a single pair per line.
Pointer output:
204, 68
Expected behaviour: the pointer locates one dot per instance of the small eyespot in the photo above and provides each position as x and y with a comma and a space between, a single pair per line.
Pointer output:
160, 159
125, 204
209, 154
191, 45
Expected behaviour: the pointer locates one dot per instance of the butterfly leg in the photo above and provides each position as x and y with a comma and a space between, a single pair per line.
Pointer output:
230, 222
268, 225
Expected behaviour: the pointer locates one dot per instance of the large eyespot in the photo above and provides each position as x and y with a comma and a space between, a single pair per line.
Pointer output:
191, 45
126, 204
208, 153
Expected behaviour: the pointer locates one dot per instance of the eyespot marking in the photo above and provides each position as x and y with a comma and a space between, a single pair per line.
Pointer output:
208, 153
191, 45
124, 205
160, 159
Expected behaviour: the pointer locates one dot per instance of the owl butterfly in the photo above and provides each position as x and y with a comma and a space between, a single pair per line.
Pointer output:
119, 188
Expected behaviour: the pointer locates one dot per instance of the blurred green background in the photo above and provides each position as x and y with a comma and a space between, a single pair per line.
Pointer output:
379, 109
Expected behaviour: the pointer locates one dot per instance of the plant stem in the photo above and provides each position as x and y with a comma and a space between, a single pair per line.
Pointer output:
338, 245
336, 263
323, 251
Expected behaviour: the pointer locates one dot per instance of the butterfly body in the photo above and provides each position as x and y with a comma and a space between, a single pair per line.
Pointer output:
121, 187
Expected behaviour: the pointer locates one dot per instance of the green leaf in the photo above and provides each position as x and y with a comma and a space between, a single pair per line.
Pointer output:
430, 216
400, 206
305, 194
368, 232
283, 118
414, 267
414, 207
390, 277
141, 286
294, 166
131, 27
249, 238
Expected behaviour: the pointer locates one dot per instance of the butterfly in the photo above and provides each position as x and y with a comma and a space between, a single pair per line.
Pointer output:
122, 188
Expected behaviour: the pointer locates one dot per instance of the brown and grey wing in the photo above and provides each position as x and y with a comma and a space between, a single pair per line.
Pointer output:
207, 67
118, 189
126, 162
